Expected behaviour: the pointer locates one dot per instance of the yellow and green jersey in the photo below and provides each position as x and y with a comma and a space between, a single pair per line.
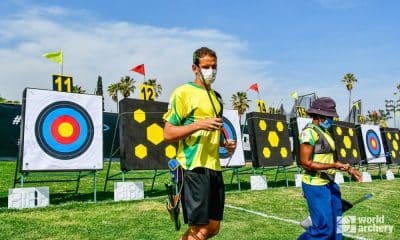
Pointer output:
189, 103
324, 147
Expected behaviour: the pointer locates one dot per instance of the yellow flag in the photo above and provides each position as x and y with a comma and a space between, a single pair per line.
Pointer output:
56, 57
357, 105
294, 95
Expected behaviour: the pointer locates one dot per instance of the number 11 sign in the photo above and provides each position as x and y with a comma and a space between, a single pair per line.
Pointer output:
62, 83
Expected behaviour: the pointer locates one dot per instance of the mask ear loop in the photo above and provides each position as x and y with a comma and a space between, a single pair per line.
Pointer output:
202, 77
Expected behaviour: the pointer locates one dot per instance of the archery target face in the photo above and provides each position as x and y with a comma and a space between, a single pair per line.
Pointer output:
297, 125
373, 146
373, 143
231, 130
301, 124
62, 131
227, 133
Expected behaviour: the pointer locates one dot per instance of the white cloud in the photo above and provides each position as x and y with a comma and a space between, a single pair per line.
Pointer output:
110, 49
93, 47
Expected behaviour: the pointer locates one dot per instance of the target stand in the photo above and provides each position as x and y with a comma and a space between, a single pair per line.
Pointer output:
22, 178
61, 135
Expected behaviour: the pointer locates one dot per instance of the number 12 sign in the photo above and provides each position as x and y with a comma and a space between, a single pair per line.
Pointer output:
147, 92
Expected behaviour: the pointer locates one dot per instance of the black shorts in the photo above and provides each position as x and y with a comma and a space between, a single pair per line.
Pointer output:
203, 196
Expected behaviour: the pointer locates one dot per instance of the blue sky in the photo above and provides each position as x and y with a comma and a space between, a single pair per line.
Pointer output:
284, 46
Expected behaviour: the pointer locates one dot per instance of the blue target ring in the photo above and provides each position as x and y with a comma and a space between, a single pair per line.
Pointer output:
64, 130
373, 143
227, 132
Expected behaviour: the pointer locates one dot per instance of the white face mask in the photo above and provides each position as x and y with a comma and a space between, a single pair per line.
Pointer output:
208, 75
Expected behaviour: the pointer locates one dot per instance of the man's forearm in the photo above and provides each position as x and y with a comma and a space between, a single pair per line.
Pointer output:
175, 133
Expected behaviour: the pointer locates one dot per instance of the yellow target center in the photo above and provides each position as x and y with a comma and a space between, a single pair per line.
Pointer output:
65, 129
373, 143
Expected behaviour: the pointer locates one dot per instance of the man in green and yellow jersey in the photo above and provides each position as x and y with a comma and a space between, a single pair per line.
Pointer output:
317, 158
194, 118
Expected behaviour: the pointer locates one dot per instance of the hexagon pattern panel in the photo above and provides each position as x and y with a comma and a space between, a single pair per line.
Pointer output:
391, 143
269, 139
142, 143
346, 141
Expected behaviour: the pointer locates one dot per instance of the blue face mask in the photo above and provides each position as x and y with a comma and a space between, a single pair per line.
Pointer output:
327, 123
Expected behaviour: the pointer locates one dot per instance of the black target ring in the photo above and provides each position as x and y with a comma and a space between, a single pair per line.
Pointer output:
64, 130
228, 132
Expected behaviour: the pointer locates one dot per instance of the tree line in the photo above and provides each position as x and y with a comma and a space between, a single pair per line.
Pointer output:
239, 100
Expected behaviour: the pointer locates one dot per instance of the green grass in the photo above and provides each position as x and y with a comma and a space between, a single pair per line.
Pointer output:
75, 216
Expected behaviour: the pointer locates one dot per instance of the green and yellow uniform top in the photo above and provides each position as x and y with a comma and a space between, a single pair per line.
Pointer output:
189, 103
312, 135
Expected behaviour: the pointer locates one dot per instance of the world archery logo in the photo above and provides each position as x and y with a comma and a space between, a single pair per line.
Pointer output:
227, 133
64, 130
373, 143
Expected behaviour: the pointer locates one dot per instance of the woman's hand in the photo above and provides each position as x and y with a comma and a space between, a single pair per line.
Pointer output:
342, 166
355, 174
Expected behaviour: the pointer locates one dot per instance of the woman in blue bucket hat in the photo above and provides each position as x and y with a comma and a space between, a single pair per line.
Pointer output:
317, 158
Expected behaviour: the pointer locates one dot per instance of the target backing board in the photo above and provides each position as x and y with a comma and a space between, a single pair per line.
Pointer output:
61, 131
373, 151
346, 142
391, 144
141, 128
269, 139
231, 130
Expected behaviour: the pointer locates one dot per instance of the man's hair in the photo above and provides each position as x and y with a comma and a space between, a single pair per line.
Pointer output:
201, 52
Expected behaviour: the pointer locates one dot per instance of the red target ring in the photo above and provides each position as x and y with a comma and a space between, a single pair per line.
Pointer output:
65, 129
373, 143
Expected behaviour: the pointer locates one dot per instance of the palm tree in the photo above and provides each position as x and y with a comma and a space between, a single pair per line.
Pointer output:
78, 89
378, 117
240, 102
157, 86
99, 89
112, 90
349, 79
126, 86
2, 99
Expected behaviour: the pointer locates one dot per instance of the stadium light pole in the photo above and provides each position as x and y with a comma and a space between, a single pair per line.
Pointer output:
392, 106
